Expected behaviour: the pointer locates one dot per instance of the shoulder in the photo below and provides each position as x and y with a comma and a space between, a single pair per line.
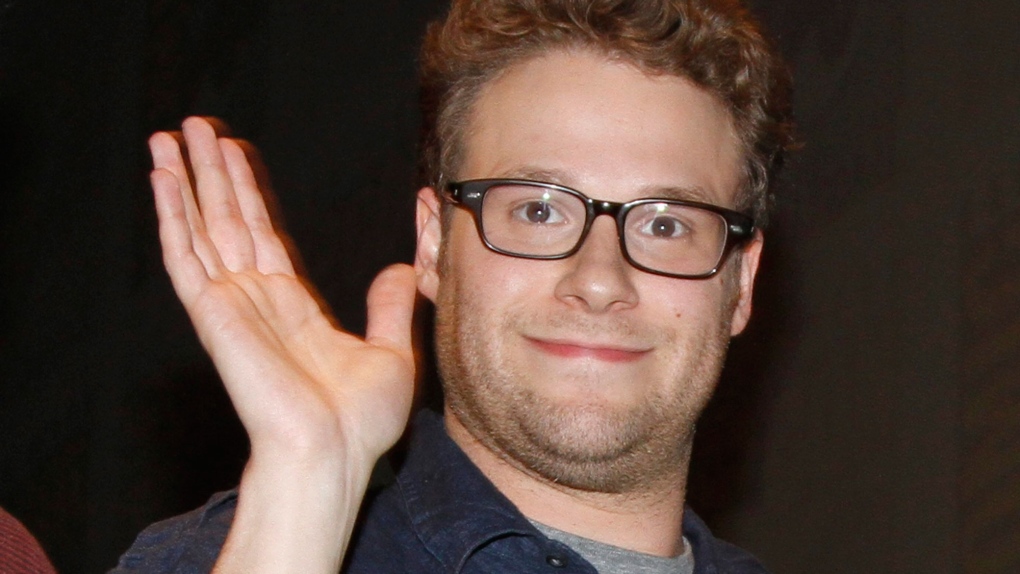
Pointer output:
715, 556
185, 544
191, 543
385, 540
732, 559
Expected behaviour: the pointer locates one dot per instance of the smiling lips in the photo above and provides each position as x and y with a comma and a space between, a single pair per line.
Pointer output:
580, 350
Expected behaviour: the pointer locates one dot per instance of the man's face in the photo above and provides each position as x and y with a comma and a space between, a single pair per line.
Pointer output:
585, 371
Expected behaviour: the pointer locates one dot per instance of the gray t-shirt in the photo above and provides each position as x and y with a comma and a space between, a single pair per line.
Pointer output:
608, 559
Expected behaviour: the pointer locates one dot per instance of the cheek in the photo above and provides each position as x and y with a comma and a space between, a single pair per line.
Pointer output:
486, 278
700, 314
479, 287
689, 304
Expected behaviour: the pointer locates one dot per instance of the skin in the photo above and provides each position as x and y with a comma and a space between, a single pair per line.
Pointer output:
575, 384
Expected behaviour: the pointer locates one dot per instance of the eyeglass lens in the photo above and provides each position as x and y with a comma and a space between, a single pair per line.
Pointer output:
538, 221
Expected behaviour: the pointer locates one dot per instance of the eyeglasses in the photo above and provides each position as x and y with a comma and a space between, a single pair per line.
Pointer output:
536, 220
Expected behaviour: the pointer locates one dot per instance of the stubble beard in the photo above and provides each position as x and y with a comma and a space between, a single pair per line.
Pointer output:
594, 446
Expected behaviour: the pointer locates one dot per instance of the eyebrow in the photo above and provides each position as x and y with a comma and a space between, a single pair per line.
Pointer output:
683, 193
678, 192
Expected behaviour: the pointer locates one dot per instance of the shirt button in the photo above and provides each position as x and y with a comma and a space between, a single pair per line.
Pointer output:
556, 561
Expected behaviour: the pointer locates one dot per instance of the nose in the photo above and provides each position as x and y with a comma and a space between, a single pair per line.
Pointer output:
597, 277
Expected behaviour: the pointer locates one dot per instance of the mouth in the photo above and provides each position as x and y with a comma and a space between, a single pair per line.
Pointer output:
585, 350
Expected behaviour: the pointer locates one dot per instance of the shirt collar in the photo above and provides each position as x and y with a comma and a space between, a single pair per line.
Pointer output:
452, 506
455, 510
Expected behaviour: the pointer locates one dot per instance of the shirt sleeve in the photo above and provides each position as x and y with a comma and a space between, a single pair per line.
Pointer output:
185, 544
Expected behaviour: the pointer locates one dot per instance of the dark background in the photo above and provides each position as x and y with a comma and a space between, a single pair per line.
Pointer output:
868, 421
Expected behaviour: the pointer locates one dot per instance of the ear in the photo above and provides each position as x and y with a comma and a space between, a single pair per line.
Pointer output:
426, 256
749, 257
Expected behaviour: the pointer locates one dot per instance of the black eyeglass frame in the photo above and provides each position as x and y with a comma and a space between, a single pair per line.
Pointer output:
471, 194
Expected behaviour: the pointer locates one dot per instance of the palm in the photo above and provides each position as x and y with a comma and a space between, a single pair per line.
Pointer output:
295, 379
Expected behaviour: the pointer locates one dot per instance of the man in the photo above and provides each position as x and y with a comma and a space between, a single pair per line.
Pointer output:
577, 339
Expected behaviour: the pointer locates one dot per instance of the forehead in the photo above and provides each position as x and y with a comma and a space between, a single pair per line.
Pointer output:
603, 127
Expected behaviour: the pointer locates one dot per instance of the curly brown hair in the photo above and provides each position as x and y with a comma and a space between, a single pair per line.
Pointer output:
714, 43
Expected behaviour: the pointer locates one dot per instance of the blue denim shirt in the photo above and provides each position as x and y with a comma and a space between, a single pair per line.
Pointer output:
440, 516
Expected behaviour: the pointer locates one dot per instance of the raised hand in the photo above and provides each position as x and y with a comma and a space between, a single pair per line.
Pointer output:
320, 405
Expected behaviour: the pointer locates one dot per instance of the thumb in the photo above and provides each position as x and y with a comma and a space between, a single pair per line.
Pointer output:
391, 309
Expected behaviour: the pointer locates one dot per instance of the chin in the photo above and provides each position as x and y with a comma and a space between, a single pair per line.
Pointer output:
591, 431
595, 446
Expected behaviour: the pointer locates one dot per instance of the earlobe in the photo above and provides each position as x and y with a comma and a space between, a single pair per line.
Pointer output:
749, 258
429, 226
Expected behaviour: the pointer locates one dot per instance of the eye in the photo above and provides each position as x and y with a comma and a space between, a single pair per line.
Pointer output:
664, 226
537, 212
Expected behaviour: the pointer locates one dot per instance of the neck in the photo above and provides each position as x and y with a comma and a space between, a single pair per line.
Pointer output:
648, 521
